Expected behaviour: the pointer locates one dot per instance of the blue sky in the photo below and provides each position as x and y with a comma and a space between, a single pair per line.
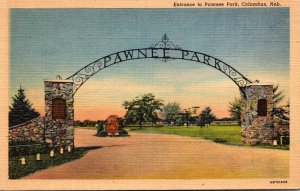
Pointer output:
48, 42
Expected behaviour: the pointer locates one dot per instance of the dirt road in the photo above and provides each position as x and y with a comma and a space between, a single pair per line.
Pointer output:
157, 156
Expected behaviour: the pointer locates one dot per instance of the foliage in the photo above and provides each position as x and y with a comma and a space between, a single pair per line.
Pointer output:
281, 112
100, 130
205, 117
225, 119
21, 110
121, 122
101, 133
179, 119
235, 109
189, 115
142, 109
170, 112
87, 123
277, 95
21, 150
219, 140
145, 125
123, 132
22, 142
16, 170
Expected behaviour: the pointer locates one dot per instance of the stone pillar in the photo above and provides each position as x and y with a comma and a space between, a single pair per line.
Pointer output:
256, 114
59, 117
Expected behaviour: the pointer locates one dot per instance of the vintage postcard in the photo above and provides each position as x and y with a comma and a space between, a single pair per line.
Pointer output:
137, 95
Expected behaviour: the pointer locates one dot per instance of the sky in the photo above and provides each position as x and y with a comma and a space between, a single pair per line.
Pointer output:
45, 43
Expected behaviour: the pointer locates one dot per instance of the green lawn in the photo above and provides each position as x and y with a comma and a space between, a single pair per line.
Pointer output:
16, 170
217, 133
224, 134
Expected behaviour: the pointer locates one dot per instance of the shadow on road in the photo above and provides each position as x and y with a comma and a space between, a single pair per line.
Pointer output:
86, 149
114, 146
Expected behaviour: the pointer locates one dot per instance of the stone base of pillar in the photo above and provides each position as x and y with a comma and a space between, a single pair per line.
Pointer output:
256, 136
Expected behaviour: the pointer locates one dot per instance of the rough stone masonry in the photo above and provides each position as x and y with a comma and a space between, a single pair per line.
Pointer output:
59, 117
257, 129
29, 132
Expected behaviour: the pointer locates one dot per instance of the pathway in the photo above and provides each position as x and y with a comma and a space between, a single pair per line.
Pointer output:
158, 156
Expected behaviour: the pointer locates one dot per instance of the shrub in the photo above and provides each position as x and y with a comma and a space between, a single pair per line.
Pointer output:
123, 132
23, 150
219, 140
101, 133
21, 109
25, 141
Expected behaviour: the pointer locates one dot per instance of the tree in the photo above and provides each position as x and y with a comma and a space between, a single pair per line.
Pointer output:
205, 117
282, 112
142, 109
235, 109
277, 96
170, 112
21, 109
189, 115
179, 119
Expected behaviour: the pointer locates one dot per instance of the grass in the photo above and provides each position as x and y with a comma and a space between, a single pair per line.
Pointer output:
217, 133
16, 170
228, 134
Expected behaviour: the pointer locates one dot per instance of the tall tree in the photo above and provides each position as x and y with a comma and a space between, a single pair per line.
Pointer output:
170, 112
142, 109
277, 95
21, 109
235, 109
282, 112
206, 117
